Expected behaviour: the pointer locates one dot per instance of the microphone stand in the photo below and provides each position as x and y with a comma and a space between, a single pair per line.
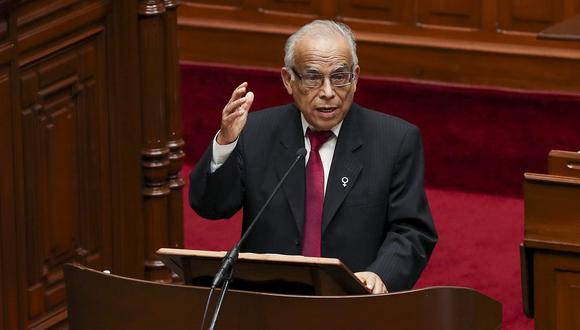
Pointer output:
226, 270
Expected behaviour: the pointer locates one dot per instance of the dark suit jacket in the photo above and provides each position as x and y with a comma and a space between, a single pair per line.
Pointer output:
379, 222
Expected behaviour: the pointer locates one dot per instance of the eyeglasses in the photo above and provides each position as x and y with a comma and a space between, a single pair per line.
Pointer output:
315, 80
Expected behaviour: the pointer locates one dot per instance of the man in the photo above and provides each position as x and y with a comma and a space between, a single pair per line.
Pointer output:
360, 195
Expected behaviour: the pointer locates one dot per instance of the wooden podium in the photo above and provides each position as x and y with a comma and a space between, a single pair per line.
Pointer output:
550, 252
98, 300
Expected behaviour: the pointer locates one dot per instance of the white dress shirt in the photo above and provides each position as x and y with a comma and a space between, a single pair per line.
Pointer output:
220, 153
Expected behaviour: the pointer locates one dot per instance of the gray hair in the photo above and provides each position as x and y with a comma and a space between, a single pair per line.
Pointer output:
319, 27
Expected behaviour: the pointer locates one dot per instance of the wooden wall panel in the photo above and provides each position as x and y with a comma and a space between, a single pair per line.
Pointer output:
9, 272
5, 42
272, 13
291, 6
568, 297
450, 13
8, 263
479, 67
530, 15
3, 29
398, 38
80, 113
393, 11
42, 24
556, 300
62, 132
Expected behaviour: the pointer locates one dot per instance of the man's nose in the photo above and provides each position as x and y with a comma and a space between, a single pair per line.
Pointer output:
326, 90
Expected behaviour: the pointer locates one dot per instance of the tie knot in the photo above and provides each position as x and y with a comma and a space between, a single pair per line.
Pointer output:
317, 138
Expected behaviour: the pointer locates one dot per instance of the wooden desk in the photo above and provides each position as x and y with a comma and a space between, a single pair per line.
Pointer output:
566, 30
564, 163
551, 247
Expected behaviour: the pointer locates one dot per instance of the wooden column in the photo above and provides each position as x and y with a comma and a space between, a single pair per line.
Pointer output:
155, 150
174, 135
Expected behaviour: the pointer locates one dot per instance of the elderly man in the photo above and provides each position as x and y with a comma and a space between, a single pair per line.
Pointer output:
358, 196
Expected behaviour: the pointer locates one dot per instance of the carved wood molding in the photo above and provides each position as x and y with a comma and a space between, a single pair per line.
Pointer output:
151, 7
92, 147
170, 4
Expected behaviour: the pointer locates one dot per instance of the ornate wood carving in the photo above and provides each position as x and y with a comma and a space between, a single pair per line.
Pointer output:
63, 133
151, 7
91, 147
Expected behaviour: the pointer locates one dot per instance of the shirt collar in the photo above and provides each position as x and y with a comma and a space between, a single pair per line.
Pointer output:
306, 125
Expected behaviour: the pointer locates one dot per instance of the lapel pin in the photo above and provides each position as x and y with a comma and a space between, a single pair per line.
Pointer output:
344, 181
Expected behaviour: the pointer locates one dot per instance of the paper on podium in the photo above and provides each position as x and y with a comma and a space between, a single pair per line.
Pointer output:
273, 273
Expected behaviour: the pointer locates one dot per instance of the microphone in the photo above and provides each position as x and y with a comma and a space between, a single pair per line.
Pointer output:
226, 268
232, 255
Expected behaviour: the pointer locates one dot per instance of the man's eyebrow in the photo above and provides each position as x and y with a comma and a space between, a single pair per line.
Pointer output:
337, 68
310, 69
341, 67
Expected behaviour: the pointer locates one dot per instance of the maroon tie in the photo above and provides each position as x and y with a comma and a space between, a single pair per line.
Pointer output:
314, 194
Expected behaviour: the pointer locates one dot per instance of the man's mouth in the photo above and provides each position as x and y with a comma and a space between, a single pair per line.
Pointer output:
326, 109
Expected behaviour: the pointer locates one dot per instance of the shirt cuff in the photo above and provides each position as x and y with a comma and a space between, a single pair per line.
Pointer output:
220, 153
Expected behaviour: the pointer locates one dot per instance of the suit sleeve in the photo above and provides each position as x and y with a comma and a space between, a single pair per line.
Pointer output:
217, 195
411, 236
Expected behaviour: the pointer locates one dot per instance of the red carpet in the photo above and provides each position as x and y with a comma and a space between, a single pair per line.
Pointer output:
478, 244
478, 143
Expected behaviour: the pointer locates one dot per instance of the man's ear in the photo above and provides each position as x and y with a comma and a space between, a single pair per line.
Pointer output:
356, 74
287, 79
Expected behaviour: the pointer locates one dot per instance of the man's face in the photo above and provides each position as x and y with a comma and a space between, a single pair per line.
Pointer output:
325, 106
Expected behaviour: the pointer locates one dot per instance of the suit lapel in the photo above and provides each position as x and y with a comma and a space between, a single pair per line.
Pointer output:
345, 168
292, 139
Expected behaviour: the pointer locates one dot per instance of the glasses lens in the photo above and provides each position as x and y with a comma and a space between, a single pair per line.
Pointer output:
341, 78
315, 80
312, 80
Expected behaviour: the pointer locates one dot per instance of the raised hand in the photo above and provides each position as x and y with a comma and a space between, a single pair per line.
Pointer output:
235, 114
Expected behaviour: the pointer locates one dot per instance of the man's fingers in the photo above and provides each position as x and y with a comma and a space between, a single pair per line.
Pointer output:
239, 91
235, 114
233, 106
238, 108
372, 281
378, 287
249, 100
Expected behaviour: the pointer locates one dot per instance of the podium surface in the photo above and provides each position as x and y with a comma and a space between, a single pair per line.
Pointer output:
274, 273
101, 301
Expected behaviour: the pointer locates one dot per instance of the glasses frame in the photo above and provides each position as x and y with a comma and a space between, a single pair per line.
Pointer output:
324, 77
